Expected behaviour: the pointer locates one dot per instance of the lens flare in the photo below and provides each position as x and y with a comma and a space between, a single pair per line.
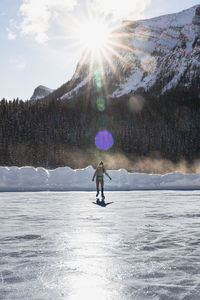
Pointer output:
148, 63
101, 104
98, 79
136, 103
104, 139
142, 33
129, 61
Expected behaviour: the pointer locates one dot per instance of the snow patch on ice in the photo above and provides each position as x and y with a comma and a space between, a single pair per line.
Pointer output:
65, 179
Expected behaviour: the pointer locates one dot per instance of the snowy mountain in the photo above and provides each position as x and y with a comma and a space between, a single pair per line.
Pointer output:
157, 55
145, 96
41, 92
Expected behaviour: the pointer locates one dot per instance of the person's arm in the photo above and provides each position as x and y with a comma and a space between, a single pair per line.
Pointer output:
107, 173
95, 173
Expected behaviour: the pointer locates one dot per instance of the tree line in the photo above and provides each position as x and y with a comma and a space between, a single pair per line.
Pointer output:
59, 132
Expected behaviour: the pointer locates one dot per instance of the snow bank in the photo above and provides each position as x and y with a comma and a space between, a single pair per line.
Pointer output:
65, 179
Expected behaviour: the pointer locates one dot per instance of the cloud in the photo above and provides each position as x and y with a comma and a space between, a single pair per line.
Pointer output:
51, 19
11, 35
12, 29
39, 15
121, 9
18, 62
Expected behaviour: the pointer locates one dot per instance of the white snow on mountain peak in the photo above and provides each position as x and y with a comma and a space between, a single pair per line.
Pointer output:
73, 92
40, 92
163, 49
169, 43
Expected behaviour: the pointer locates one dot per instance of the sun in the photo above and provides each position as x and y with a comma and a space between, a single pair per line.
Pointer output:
100, 40
94, 35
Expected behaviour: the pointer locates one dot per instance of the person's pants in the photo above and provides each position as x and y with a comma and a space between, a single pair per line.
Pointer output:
100, 180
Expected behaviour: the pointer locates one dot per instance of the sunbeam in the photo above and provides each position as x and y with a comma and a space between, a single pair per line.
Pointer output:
101, 40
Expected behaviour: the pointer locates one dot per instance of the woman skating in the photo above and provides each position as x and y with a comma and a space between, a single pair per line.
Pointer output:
99, 174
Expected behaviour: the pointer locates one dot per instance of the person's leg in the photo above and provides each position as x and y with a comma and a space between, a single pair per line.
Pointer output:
97, 184
102, 185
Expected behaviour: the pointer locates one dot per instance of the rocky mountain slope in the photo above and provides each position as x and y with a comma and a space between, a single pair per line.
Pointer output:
156, 55
41, 92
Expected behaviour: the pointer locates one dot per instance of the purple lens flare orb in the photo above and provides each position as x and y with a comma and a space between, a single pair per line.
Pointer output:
104, 139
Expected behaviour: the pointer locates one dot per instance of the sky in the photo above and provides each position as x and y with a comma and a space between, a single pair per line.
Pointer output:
38, 44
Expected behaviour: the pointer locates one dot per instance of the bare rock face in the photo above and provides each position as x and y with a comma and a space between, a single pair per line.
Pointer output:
197, 13
196, 19
41, 92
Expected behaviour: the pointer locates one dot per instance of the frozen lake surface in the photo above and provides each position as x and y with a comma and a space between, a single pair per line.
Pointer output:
59, 245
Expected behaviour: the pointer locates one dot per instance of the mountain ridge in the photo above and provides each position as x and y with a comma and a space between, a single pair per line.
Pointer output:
162, 53
40, 92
